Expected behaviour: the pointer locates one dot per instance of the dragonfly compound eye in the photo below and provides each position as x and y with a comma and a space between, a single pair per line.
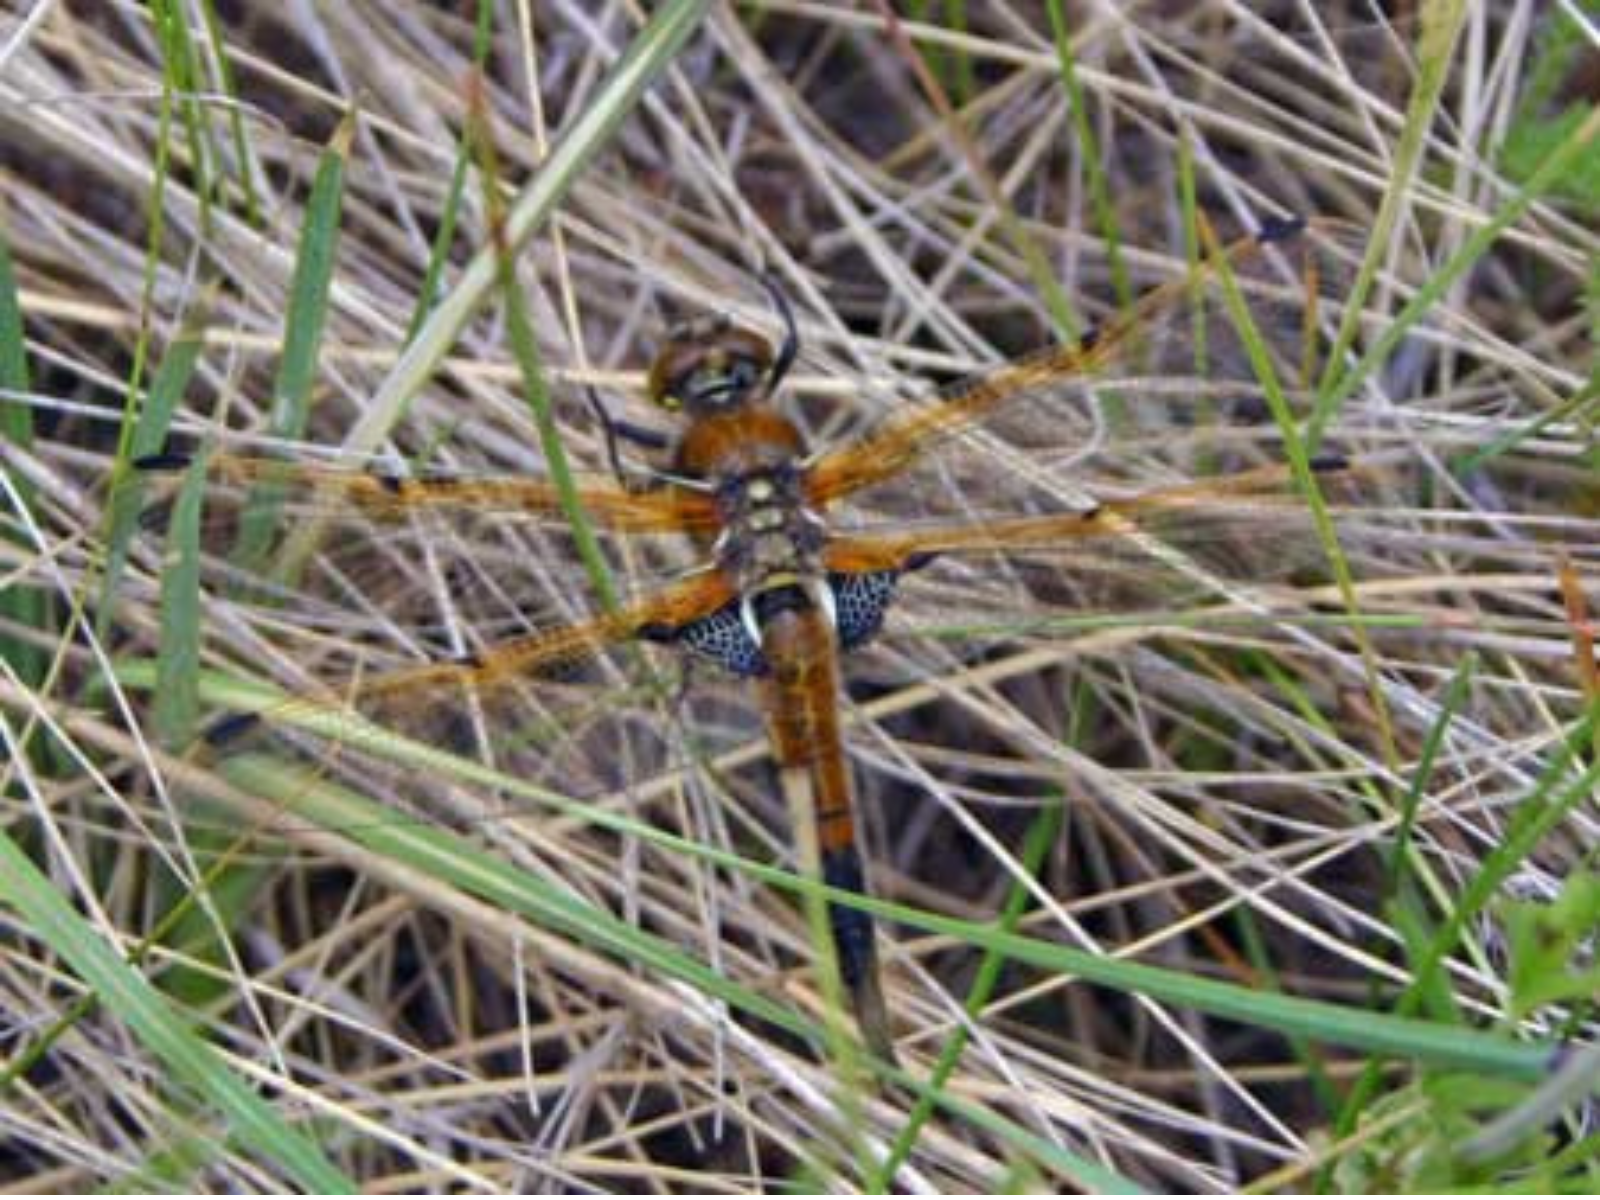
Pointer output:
706, 368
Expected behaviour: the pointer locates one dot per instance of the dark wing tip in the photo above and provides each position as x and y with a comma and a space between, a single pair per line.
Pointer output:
1280, 229
167, 460
1330, 462
221, 733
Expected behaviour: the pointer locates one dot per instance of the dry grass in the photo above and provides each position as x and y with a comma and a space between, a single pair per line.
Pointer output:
1253, 778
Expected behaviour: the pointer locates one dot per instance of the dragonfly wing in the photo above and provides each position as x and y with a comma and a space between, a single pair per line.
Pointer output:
1243, 539
1178, 355
420, 564
533, 694
386, 496
554, 651
1241, 499
545, 654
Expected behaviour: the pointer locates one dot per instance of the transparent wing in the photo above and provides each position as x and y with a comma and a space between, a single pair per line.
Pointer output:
1172, 390
583, 709
432, 611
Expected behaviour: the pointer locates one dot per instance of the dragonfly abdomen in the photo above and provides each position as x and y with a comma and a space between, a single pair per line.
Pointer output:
801, 694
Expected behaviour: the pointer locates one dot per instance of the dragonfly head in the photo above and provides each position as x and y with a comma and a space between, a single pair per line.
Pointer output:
710, 366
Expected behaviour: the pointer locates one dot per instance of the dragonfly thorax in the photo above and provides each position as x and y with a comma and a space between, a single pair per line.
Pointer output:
770, 536
771, 550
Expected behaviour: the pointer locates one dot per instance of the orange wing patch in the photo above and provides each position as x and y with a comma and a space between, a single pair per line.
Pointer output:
669, 509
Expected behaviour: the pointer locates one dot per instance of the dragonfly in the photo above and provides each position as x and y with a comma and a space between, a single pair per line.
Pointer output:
780, 593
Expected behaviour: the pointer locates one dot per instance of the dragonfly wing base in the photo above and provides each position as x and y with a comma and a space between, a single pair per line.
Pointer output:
861, 601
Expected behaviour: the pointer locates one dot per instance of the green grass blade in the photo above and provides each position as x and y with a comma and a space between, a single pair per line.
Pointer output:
243, 156
1297, 449
1555, 794
177, 696
304, 324
587, 136
307, 316
1067, 323
1561, 160
181, 83
1318, 1020
530, 366
150, 432
1105, 212
16, 419
1580, 406
1041, 837
450, 210
163, 1031
1534, 818
433, 853
26, 606
1441, 25
1454, 701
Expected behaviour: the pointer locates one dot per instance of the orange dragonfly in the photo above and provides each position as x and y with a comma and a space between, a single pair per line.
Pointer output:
779, 594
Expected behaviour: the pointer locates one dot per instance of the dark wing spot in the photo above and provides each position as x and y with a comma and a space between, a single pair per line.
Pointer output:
167, 460
1280, 229
722, 638
229, 729
860, 602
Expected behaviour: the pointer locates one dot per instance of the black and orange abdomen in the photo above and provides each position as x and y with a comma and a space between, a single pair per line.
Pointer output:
801, 693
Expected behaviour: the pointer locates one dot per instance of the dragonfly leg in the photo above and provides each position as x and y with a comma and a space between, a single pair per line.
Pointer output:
616, 429
790, 348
